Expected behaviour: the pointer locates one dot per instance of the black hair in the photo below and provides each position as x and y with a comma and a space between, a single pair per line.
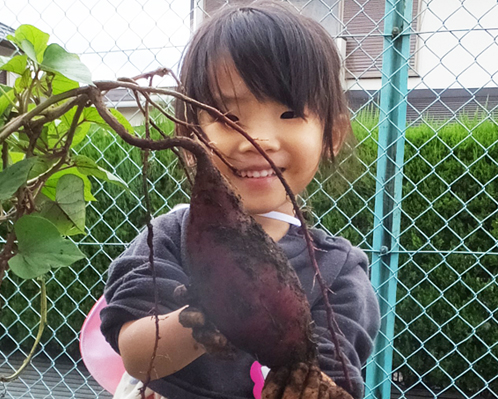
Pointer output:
280, 55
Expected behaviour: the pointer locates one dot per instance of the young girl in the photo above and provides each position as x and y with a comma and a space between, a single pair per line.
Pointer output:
276, 74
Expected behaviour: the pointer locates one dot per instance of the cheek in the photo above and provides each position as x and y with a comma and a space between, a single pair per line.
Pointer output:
308, 154
220, 136
310, 150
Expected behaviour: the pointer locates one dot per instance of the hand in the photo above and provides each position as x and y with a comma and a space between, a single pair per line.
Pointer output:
203, 331
302, 381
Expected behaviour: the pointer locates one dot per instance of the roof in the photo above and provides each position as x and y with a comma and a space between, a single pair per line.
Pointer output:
4, 31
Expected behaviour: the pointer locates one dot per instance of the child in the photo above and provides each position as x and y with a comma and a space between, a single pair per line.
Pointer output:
275, 73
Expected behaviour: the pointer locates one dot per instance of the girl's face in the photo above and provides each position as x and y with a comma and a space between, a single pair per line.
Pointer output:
294, 145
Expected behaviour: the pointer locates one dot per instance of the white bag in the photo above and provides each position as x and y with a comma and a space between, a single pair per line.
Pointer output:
129, 388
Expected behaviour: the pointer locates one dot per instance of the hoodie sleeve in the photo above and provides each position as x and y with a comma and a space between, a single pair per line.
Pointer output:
130, 290
356, 310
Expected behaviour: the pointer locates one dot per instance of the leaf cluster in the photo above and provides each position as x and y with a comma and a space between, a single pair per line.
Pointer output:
44, 184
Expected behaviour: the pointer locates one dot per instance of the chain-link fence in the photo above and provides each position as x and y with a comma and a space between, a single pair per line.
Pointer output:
420, 198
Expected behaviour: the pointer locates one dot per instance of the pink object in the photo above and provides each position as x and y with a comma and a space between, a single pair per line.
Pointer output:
102, 362
258, 379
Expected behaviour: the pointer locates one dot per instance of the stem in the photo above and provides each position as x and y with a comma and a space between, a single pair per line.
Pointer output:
19, 121
67, 145
150, 242
41, 327
154, 145
5, 156
7, 97
6, 254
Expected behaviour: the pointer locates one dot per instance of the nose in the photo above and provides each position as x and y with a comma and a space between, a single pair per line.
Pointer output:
265, 136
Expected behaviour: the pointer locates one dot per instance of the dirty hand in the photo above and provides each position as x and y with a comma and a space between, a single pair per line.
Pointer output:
301, 381
203, 331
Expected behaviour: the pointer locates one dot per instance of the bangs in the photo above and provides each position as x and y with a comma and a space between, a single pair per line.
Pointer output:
272, 57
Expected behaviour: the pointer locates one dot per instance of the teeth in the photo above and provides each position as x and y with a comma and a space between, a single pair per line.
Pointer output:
256, 173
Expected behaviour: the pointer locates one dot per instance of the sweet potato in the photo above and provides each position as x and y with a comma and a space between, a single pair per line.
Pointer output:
244, 284
241, 279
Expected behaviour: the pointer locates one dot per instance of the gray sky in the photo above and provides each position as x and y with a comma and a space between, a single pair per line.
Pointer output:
114, 38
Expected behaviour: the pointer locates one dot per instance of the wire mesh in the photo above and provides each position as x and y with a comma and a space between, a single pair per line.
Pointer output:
445, 323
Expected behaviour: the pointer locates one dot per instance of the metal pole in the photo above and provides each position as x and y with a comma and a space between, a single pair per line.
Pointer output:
392, 123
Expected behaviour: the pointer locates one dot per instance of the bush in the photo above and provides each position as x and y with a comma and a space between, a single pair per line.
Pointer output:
446, 314
446, 320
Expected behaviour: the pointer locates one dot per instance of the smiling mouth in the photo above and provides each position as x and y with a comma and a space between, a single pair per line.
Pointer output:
254, 174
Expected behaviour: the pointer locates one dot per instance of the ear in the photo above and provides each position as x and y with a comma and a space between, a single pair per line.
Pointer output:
340, 132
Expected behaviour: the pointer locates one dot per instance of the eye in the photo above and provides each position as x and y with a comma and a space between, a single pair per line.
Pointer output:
288, 115
232, 117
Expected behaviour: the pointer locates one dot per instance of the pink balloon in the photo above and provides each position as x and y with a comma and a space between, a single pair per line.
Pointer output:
105, 365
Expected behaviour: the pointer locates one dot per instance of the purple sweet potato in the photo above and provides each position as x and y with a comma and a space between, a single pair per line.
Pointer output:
245, 285
241, 279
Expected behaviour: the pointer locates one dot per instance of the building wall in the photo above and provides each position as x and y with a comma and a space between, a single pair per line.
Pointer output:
447, 54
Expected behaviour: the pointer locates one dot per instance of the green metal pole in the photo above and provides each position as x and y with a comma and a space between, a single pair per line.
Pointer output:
392, 123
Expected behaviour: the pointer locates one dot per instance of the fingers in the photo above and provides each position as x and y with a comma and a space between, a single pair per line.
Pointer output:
296, 382
210, 338
312, 388
323, 391
275, 383
334, 391
191, 317
302, 381
206, 333
325, 378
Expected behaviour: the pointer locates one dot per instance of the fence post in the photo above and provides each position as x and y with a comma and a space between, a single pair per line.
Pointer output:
392, 123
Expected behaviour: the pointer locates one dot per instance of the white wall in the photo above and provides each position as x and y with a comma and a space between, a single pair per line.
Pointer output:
466, 57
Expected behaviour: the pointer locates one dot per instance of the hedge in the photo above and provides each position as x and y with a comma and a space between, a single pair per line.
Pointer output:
449, 210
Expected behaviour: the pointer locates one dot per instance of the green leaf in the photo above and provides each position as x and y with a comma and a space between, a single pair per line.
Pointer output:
67, 212
92, 115
121, 119
40, 248
56, 59
42, 164
6, 99
80, 133
50, 187
89, 168
23, 81
15, 64
14, 177
53, 133
61, 84
16, 156
29, 50
38, 41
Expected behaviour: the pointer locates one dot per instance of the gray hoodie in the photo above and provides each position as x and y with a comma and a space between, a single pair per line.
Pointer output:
130, 296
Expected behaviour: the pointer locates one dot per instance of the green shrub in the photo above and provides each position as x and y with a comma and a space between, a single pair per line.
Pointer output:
447, 296
447, 292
